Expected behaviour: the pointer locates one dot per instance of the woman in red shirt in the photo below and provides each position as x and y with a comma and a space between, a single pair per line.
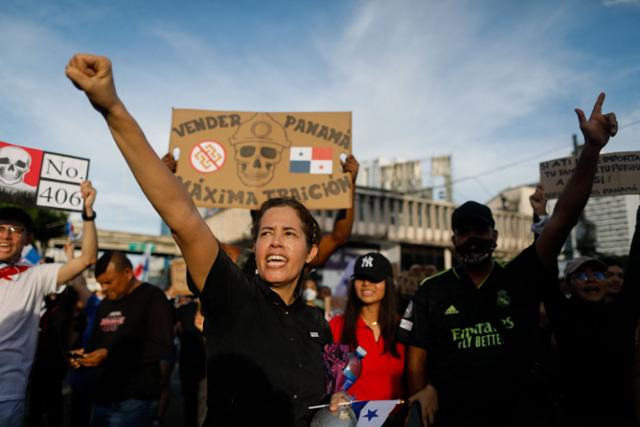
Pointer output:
370, 321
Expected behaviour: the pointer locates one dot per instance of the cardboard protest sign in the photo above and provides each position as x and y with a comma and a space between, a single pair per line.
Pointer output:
29, 177
617, 173
231, 159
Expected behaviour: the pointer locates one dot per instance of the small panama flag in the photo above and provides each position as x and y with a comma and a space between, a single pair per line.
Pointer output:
30, 255
141, 271
314, 160
69, 231
373, 413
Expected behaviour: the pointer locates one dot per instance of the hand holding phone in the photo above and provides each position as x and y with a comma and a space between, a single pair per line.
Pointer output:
73, 354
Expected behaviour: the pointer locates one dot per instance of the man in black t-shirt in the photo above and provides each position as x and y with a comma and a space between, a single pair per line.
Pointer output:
596, 342
475, 322
478, 335
132, 332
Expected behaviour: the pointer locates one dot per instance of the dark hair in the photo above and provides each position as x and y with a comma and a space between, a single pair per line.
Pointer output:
387, 318
306, 277
609, 261
119, 260
310, 226
11, 213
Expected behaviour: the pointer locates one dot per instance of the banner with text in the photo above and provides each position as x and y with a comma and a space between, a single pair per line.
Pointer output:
617, 173
234, 159
32, 177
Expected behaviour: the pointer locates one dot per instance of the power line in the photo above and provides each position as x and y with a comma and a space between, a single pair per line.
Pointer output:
505, 166
629, 124
521, 161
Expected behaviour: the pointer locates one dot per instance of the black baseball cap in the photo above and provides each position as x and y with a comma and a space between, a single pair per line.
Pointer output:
372, 266
472, 212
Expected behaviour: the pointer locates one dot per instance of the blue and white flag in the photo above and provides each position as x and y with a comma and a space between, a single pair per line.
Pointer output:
69, 231
373, 413
30, 255
141, 271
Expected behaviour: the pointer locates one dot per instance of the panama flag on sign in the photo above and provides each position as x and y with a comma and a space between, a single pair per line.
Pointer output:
316, 160
373, 413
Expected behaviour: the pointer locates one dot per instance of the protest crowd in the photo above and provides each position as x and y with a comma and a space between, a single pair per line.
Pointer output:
258, 341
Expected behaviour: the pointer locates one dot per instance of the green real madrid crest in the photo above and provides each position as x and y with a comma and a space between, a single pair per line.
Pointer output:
503, 299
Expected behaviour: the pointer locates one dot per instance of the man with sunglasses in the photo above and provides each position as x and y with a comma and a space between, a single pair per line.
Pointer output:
595, 339
22, 291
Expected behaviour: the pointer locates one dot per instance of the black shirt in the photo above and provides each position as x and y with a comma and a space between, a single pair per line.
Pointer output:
137, 332
264, 358
596, 347
192, 359
478, 339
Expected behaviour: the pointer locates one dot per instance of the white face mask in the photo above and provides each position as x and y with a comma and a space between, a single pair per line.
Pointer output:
309, 294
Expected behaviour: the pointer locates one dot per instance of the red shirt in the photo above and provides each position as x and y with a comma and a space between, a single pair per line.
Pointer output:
381, 377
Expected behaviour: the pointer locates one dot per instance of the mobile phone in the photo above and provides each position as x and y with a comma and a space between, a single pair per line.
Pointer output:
73, 355
414, 419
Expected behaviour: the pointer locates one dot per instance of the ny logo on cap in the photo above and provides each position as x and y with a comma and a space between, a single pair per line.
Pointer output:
367, 262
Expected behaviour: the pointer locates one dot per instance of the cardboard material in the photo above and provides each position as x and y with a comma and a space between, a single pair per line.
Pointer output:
618, 173
32, 177
231, 159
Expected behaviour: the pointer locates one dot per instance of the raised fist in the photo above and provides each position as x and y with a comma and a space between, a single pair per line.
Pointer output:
92, 75
538, 201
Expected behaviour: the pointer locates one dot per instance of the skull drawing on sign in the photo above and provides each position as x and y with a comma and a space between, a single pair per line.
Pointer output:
14, 164
258, 145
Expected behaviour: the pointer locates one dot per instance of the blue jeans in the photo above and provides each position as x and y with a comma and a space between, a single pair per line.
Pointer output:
11, 413
126, 413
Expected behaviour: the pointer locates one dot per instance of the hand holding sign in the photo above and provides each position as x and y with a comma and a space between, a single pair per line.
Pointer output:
538, 201
88, 195
170, 162
600, 127
92, 75
351, 166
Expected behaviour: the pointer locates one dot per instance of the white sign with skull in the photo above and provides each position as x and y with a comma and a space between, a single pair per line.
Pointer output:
29, 176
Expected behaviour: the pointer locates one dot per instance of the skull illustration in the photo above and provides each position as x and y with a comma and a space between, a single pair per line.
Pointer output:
14, 164
258, 145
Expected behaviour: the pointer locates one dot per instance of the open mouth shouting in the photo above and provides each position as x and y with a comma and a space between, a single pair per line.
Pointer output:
276, 260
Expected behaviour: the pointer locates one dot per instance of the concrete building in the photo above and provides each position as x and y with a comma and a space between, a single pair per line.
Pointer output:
615, 219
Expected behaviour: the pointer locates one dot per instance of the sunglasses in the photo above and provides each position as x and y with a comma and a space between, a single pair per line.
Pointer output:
598, 275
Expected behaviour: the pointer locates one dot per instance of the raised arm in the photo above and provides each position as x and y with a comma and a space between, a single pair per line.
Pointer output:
78, 283
89, 253
597, 131
344, 220
538, 203
632, 270
93, 75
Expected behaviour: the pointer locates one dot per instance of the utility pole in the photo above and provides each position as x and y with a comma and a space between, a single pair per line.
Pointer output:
585, 229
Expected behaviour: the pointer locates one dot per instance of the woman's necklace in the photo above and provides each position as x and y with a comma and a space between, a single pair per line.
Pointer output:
374, 323
375, 328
